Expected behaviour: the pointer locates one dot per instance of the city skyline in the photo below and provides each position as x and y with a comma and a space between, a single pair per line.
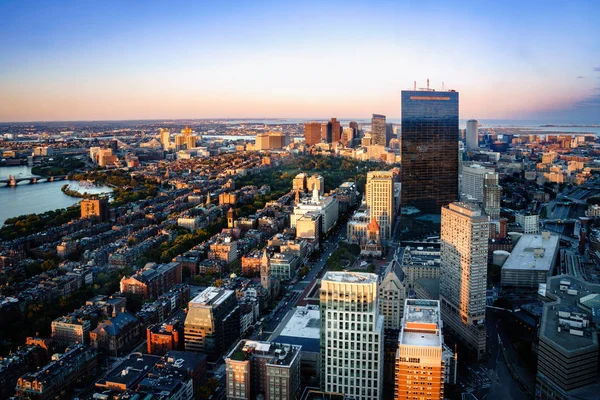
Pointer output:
118, 62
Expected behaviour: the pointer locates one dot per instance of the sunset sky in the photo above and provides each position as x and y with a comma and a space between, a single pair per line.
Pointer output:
107, 60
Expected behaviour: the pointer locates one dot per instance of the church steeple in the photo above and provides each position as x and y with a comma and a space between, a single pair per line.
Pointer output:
230, 217
265, 272
315, 194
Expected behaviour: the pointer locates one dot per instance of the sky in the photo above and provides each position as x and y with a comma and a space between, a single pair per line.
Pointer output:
115, 60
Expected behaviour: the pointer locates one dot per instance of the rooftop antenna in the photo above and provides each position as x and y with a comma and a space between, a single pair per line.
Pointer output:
427, 83
415, 86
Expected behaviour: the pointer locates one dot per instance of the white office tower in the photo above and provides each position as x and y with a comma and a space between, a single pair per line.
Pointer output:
463, 273
420, 355
380, 200
472, 134
473, 182
351, 335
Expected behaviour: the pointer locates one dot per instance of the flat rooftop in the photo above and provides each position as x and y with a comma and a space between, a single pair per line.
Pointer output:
533, 253
567, 302
305, 323
349, 277
211, 296
411, 338
421, 323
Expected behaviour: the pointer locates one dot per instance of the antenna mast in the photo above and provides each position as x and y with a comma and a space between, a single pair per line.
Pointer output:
415, 86
427, 83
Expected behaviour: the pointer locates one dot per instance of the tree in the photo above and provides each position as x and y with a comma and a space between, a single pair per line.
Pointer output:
48, 265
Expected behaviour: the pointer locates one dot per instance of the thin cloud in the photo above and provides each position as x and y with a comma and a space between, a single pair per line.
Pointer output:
597, 69
580, 77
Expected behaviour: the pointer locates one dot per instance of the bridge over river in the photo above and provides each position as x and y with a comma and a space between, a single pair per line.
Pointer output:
12, 180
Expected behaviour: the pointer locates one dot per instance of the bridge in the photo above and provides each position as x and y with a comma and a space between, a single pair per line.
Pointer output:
12, 181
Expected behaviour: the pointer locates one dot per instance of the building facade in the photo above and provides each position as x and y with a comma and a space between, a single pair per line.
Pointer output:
463, 273
312, 133
472, 134
379, 195
270, 369
97, 208
378, 130
419, 359
429, 149
392, 293
212, 323
351, 335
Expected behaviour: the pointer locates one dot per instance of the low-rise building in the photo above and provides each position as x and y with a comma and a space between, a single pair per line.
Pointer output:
153, 280
166, 336
59, 376
266, 368
116, 335
531, 261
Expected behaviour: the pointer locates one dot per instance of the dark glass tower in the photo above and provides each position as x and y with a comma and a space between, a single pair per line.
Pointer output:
429, 149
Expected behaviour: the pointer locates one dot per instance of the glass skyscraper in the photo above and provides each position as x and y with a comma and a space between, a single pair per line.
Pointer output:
429, 149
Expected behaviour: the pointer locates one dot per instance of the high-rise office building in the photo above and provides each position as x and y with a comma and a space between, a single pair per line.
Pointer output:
187, 131
190, 142
351, 335
378, 130
180, 142
472, 182
463, 273
331, 132
347, 136
271, 369
336, 130
212, 323
312, 133
472, 134
165, 138
492, 195
429, 149
389, 133
380, 200
326, 132
419, 358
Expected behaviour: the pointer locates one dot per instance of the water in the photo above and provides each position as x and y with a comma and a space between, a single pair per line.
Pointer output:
38, 198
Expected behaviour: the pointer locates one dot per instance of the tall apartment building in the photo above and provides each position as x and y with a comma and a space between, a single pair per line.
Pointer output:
472, 134
419, 358
351, 335
392, 293
568, 340
212, 323
463, 273
97, 208
312, 133
380, 200
378, 130
266, 368
429, 149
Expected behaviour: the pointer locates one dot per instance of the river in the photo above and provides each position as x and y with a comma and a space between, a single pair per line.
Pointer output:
38, 198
